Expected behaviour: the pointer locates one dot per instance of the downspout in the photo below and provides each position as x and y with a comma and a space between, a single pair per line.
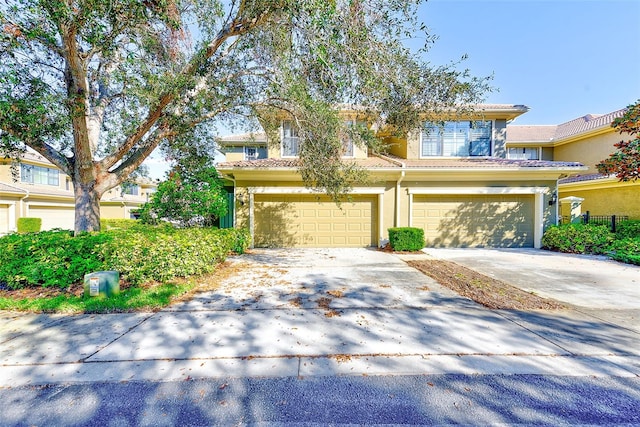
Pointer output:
22, 210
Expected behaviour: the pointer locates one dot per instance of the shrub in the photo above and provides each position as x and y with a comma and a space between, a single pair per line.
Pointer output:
628, 229
578, 238
29, 225
626, 250
49, 258
122, 223
140, 253
406, 238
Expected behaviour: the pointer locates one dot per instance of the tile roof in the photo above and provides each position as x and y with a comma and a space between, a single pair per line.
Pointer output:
374, 162
583, 178
547, 133
6, 188
244, 137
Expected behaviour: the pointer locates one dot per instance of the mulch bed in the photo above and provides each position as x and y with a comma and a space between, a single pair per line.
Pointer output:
485, 290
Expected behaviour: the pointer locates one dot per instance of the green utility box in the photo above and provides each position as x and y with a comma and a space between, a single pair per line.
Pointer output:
102, 284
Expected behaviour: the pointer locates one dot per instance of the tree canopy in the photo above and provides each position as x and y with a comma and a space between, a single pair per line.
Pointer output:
96, 85
625, 161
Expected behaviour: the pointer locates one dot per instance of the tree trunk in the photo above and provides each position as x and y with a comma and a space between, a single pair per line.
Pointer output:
87, 207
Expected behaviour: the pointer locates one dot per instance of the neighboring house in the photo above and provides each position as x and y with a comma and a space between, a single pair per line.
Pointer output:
588, 140
40, 189
454, 181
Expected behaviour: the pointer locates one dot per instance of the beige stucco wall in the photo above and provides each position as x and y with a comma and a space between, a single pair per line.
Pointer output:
618, 199
588, 151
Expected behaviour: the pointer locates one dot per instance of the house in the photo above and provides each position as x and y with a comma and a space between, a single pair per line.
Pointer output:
588, 140
37, 188
455, 181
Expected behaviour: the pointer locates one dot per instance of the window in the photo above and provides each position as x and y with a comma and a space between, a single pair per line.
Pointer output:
456, 139
524, 153
348, 141
39, 175
131, 189
290, 139
250, 153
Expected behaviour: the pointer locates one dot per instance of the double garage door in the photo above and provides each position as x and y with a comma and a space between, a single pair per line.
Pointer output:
54, 217
475, 220
448, 221
311, 221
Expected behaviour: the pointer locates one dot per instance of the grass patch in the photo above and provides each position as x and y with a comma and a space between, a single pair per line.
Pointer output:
129, 300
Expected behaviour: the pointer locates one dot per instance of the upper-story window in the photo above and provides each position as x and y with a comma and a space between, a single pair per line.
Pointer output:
290, 139
130, 189
39, 175
456, 139
524, 153
250, 153
347, 142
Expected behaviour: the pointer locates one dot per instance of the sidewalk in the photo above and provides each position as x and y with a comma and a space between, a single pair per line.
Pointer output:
317, 312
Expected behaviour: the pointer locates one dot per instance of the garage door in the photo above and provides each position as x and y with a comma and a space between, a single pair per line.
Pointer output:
475, 221
54, 217
306, 221
4, 219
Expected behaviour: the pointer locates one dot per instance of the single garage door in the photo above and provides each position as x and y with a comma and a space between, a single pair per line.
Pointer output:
54, 217
475, 220
309, 221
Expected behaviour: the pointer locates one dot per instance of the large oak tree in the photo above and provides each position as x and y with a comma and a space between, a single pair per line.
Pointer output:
96, 85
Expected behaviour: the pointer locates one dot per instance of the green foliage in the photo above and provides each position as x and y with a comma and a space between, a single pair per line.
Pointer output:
578, 238
120, 223
625, 161
29, 225
49, 258
406, 238
190, 198
140, 254
626, 250
628, 229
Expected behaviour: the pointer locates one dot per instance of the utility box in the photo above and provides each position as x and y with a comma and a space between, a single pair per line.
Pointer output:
102, 284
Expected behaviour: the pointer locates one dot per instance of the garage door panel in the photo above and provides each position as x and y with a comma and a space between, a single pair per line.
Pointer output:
54, 217
475, 221
287, 221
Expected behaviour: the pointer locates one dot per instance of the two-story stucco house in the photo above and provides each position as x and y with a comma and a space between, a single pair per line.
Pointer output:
588, 140
39, 189
454, 181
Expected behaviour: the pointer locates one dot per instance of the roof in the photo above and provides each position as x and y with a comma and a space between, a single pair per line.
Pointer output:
551, 133
375, 162
243, 138
6, 188
583, 178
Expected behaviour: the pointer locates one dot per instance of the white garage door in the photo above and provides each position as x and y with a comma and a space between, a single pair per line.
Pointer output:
306, 221
475, 220
54, 217
4, 219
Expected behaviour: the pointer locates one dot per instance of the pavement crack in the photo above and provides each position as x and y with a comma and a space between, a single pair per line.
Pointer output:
84, 359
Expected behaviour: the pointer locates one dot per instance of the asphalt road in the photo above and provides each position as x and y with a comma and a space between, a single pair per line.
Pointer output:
441, 400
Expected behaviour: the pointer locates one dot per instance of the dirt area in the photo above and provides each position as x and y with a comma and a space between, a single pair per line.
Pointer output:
485, 290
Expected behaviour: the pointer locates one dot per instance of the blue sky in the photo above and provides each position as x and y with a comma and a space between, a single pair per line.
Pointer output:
563, 59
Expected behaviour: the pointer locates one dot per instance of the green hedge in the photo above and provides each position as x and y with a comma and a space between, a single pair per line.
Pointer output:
406, 238
626, 250
140, 254
628, 229
578, 238
122, 223
29, 225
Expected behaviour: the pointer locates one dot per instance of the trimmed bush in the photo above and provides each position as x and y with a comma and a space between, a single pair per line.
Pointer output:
628, 229
140, 254
626, 250
406, 238
29, 225
122, 223
578, 238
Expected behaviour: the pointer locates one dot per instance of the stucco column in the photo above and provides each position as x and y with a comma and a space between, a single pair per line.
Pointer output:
572, 206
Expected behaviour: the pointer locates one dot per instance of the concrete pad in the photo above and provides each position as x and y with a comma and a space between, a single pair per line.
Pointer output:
580, 280
71, 339
629, 319
13, 324
147, 370
277, 333
463, 364
578, 333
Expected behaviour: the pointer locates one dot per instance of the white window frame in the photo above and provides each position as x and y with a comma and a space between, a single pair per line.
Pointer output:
28, 175
247, 156
538, 153
441, 155
295, 138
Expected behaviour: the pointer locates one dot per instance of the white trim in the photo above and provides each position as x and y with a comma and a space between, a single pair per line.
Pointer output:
538, 220
304, 190
478, 190
492, 148
251, 218
380, 218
